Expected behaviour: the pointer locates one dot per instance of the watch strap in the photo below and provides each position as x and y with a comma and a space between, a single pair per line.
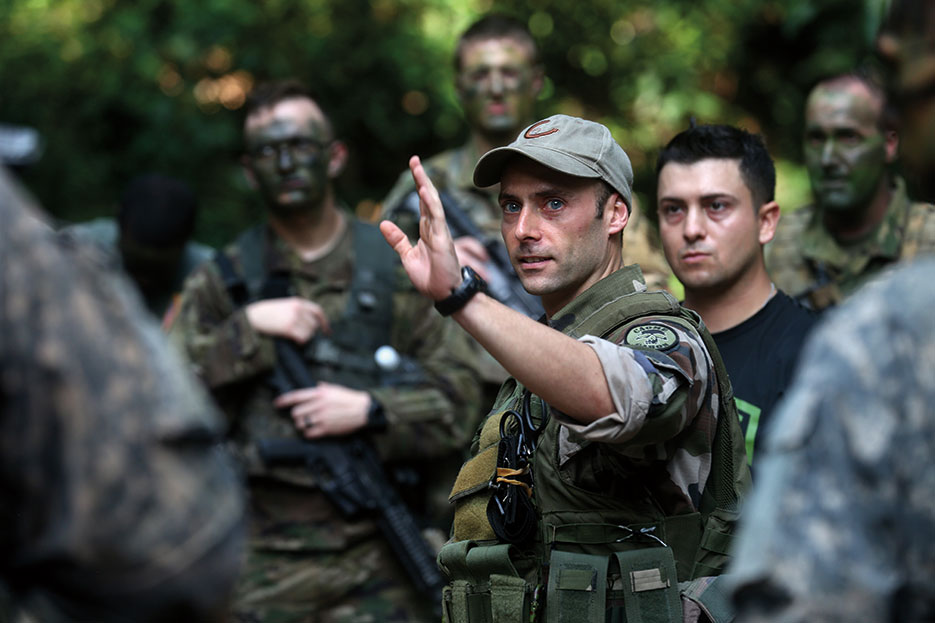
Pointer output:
471, 284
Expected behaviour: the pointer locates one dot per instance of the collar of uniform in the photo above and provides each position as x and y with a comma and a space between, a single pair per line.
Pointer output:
459, 167
627, 280
884, 242
335, 268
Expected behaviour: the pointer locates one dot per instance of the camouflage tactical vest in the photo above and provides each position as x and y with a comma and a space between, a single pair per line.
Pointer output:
347, 355
593, 555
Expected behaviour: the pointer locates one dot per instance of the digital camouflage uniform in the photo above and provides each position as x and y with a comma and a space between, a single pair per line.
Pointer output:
116, 504
646, 466
841, 521
808, 264
452, 172
307, 562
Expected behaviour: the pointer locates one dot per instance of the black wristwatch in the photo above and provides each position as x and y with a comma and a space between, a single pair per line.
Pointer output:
471, 284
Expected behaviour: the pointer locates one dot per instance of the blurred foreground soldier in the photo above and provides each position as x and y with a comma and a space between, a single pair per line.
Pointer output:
841, 521
862, 219
151, 238
716, 211
612, 465
307, 328
116, 505
840, 527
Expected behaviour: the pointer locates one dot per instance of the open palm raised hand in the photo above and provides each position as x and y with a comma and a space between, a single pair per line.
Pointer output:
431, 264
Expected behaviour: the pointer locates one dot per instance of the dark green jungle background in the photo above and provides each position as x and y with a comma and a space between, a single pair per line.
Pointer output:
119, 87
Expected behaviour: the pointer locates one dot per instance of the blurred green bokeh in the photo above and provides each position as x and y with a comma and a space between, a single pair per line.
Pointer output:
118, 88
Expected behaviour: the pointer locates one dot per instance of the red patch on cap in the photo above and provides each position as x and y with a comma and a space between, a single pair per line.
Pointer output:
530, 134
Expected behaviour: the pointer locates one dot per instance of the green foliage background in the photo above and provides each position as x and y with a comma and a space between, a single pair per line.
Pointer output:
117, 88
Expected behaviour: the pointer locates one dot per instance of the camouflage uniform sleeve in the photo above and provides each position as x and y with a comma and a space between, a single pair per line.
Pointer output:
657, 393
217, 338
839, 524
117, 505
439, 416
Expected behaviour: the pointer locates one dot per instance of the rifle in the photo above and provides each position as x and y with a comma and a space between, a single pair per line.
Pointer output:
350, 473
502, 282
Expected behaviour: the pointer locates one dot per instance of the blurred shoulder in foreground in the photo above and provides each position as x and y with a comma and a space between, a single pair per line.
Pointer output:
116, 504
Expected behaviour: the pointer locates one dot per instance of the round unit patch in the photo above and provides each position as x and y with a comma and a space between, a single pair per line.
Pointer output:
654, 336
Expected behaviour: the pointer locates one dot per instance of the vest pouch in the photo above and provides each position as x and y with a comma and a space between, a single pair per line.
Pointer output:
577, 589
648, 586
471, 491
485, 586
715, 547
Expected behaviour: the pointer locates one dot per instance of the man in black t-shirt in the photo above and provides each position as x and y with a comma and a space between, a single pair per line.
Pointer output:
716, 211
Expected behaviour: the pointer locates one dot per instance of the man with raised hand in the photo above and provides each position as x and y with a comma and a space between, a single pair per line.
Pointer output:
613, 455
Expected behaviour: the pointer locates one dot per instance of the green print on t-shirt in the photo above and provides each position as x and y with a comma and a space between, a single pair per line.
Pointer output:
749, 421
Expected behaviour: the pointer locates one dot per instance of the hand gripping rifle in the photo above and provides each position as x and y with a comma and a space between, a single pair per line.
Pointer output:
502, 282
350, 473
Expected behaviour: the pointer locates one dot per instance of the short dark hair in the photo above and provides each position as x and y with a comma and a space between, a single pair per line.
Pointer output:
724, 141
157, 210
888, 119
268, 94
497, 26
603, 194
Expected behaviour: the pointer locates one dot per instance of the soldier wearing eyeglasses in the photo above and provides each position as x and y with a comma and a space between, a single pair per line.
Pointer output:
346, 294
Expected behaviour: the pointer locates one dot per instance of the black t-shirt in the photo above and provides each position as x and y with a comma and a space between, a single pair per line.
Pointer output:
760, 355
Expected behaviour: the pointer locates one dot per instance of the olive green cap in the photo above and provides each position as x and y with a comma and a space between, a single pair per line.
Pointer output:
566, 144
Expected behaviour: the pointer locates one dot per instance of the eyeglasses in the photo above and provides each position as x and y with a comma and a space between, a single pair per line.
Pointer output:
299, 147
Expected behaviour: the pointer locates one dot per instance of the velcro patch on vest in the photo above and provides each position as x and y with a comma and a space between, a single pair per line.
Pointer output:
652, 336
648, 580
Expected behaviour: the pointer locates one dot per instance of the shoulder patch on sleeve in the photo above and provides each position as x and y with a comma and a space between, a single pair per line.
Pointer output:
652, 335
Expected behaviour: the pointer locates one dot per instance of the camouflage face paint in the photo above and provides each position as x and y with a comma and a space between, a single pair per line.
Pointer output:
287, 149
497, 85
845, 151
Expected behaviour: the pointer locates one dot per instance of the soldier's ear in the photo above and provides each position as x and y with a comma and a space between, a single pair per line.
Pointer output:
246, 165
891, 144
337, 158
616, 214
767, 220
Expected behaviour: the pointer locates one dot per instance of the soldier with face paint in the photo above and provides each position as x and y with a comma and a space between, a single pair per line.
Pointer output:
862, 219
497, 78
345, 301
